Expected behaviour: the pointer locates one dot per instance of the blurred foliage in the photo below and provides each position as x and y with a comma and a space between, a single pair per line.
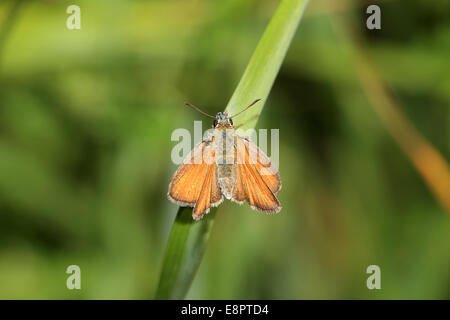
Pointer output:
85, 123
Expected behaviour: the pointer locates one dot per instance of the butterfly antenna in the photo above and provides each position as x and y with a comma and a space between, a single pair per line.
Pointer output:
254, 102
198, 109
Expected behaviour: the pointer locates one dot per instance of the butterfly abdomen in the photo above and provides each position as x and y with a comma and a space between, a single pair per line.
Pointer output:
226, 179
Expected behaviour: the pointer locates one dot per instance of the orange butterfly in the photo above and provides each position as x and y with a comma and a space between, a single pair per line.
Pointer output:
225, 164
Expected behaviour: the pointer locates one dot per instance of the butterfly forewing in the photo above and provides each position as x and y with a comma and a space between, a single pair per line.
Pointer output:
194, 184
210, 194
250, 184
269, 173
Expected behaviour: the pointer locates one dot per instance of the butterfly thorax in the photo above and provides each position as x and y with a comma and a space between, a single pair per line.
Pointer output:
224, 126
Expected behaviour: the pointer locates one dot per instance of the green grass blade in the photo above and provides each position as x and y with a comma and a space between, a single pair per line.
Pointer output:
183, 253
265, 62
188, 238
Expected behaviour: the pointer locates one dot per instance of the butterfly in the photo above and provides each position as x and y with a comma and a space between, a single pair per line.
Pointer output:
225, 164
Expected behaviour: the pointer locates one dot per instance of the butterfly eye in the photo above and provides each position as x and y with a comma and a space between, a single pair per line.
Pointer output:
215, 123
231, 121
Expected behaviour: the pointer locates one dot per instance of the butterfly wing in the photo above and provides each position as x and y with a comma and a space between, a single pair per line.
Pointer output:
256, 180
194, 184
264, 166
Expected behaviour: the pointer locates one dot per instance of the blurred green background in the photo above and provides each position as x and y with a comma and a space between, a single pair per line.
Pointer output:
86, 118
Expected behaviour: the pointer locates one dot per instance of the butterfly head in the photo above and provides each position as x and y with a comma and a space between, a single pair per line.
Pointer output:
222, 120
